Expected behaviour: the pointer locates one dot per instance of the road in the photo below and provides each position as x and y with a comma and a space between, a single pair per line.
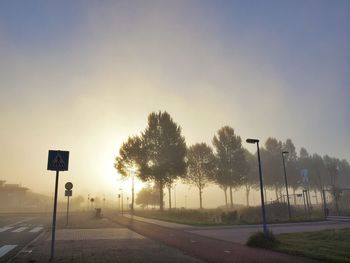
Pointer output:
17, 230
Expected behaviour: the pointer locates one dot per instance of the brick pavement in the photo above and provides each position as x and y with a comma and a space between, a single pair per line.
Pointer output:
87, 239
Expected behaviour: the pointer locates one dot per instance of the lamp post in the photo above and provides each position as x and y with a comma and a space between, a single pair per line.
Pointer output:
286, 182
256, 141
121, 189
175, 196
132, 193
104, 201
88, 201
132, 170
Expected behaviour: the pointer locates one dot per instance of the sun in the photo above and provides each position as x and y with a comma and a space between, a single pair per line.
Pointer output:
115, 181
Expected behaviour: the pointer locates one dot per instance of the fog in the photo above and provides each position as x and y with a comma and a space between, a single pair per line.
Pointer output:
82, 77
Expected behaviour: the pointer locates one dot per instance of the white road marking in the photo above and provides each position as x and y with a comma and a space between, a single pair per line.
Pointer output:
5, 249
36, 229
3, 229
21, 221
19, 229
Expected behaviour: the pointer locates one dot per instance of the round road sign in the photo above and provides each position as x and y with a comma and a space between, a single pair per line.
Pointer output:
68, 186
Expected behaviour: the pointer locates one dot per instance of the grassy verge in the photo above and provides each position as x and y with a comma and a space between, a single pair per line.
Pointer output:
188, 217
326, 245
212, 217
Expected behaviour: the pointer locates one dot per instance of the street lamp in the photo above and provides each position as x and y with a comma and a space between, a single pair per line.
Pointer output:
133, 193
256, 141
88, 201
175, 195
132, 170
121, 189
285, 180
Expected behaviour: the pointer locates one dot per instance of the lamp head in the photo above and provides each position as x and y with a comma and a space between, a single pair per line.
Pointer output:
252, 141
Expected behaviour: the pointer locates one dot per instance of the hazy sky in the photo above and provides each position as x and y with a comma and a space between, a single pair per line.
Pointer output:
84, 75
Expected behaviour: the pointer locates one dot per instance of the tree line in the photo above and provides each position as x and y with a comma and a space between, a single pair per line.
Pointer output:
160, 155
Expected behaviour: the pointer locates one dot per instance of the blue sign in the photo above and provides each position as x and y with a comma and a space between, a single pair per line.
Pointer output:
58, 160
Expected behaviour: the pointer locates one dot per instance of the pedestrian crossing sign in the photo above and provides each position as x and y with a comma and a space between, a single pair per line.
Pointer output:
58, 160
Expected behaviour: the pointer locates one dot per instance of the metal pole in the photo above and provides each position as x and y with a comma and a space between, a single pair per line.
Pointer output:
324, 203
132, 194
304, 202
262, 194
67, 210
307, 202
88, 202
54, 219
122, 203
285, 180
175, 195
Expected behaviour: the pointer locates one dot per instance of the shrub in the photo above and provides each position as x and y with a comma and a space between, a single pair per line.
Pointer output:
259, 240
230, 217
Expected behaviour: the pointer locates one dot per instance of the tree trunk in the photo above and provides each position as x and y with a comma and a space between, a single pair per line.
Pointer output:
323, 201
200, 199
281, 194
169, 189
276, 193
294, 197
225, 191
161, 206
316, 196
247, 191
231, 197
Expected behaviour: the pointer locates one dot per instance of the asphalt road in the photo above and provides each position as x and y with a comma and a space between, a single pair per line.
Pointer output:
17, 230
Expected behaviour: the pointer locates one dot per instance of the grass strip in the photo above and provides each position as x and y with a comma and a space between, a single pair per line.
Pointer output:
332, 245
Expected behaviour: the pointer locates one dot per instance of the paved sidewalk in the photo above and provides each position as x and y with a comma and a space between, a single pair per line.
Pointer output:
241, 233
87, 239
159, 222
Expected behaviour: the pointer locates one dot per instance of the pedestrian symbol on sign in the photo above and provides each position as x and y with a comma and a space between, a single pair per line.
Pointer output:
58, 161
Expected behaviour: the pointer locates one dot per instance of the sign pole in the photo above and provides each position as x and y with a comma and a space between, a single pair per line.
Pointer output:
54, 218
67, 210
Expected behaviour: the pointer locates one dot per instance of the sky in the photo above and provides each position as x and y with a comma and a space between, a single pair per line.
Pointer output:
82, 76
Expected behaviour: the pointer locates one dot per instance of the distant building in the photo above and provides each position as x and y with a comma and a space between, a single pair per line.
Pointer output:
12, 195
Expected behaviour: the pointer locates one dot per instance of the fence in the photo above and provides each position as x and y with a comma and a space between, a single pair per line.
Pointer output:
337, 202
